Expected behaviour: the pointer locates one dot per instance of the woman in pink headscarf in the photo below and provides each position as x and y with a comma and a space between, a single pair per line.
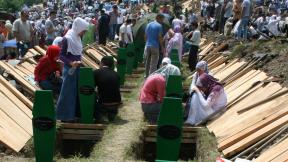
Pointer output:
175, 41
208, 99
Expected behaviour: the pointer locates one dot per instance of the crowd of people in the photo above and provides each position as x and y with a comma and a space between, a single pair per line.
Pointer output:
41, 24
246, 19
66, 27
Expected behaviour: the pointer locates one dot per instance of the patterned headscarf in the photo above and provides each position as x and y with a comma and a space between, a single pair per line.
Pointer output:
210, 83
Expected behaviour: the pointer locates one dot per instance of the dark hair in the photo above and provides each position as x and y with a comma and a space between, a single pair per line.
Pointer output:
102, 11
108, 61
160, 16
52, 12
128, 21
195, 24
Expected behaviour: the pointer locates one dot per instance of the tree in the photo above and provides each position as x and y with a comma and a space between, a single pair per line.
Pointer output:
11, 5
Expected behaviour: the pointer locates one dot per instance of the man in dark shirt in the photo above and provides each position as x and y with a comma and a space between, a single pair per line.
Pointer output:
103, 27
108, 87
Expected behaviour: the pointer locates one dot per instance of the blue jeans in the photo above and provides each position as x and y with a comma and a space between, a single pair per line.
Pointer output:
47, 85
242, 28
112, 32
23, 48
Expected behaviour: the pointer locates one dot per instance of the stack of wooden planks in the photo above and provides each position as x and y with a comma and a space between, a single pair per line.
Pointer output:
15, 117
256, 107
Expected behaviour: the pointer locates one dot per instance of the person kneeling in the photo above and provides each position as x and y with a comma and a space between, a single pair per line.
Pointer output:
203, 109
48, 72
107, 82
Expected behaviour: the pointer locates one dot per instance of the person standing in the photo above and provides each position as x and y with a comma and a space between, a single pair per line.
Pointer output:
70, 55
103, 27
195, 42
113, 21
154, 42
245, 16
22, 30
236, 11
50, 28
120, 21
124, 38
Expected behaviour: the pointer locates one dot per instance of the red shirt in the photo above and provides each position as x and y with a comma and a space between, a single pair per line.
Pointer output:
153, 90
47, 64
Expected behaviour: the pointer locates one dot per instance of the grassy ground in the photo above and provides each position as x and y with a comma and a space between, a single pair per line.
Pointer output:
119, 136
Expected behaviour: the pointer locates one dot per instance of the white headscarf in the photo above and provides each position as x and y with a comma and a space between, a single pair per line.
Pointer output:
73, 38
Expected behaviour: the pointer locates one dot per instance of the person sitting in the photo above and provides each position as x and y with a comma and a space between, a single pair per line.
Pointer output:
167, 68
208, 99
48, 72
151, 96
153, 90
107, 82
201, 68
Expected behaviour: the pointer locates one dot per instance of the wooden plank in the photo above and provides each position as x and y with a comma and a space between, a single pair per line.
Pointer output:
31, 89
11, 134
274, 152
185, 128
283, 157
16, 101
40, 50
82, 131
278, 112
80, 137
28, 66
229, 118
153, 139
16, 114
253, 138
94, 55
184, 134
19, 95
82, 126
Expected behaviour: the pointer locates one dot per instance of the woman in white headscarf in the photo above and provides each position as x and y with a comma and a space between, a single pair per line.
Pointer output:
167, 68
201, 68
70, 55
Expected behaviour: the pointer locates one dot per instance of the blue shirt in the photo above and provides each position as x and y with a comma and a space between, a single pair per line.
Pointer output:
153, 30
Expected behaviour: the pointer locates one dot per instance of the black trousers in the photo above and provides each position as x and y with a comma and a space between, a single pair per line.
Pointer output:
102, 39
102, 110
193, 57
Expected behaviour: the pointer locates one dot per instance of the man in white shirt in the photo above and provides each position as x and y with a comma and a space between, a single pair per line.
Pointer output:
195, 42
120, 21
124, 38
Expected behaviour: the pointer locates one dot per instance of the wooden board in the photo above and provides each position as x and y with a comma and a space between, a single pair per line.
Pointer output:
9, 95
40, 50
11, 134
230, 116
82, 126
275, 151
261, 120
253, 138
13, 90
16, 114
19, 77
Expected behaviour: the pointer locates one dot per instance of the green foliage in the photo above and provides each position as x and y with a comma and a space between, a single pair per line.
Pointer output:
15, 5
11, 5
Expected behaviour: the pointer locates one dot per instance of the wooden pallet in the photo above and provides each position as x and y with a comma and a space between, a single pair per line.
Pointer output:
71, 131
189, 134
